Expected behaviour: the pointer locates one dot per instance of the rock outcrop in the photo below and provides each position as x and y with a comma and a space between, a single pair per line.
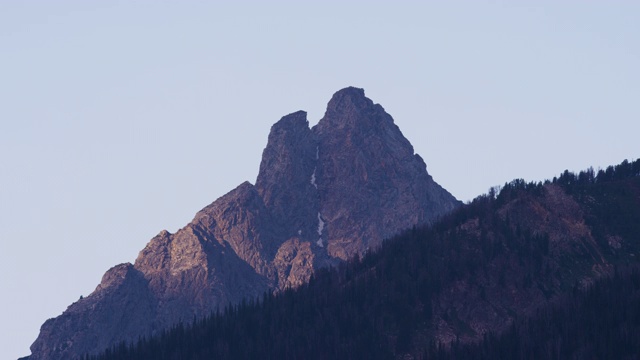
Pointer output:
323, 195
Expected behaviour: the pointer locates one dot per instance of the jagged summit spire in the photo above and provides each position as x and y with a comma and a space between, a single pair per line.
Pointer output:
290, 143
349, 95
349, 108
348, 100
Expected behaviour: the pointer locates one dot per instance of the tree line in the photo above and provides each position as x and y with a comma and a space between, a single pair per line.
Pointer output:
381, 306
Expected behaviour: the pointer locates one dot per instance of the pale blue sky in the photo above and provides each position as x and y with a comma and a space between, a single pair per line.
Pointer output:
119, 119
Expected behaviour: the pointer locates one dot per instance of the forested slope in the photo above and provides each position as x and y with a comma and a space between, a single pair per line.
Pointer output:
531, 270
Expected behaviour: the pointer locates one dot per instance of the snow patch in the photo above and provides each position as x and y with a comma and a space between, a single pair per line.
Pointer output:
320, 229
313, 179
320, 224
299, 232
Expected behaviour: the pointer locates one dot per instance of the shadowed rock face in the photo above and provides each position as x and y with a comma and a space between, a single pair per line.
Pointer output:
323, 194
371, 184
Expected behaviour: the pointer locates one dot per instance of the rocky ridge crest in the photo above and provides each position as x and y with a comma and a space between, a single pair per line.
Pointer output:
322, 195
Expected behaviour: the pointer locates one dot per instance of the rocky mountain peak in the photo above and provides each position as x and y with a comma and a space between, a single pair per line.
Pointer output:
348, 100
362, 152
349, 108
353, 121
322, 195
287, 179
291, 146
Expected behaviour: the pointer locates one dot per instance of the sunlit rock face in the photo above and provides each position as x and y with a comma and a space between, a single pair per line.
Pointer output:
323, 195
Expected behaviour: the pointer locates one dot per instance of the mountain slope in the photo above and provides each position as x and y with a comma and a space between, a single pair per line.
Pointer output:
323, 195
508, 258
599, 322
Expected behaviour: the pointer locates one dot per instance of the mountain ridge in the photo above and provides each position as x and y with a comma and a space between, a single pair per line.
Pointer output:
310, 207
494, 279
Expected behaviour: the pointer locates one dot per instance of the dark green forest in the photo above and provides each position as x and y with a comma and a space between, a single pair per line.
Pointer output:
384, 305
602, 322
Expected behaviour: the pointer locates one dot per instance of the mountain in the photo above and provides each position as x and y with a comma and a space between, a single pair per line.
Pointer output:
530, 271
323, 195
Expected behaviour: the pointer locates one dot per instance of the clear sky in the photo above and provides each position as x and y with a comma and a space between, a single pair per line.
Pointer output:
122, 118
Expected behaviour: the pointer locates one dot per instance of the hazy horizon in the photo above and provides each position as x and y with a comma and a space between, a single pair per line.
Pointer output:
119, 119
